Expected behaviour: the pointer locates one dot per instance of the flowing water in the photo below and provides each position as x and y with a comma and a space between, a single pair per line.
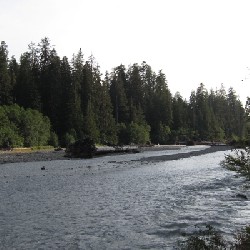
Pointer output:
117, 202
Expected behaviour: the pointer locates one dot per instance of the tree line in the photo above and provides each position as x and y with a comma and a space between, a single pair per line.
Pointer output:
126, 105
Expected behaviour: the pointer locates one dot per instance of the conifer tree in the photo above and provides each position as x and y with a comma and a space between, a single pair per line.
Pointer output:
67, 112
13, 73
5, 81
107, 127
135, 95
26, 89
77, 76
180, 118
118, 94
161, 114
235, 115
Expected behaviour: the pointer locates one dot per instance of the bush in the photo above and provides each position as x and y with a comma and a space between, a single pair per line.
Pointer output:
20, 127
10, 138
138, 134
68, 138
242, 241
210, 239
133, 133
53, 140
239, 162
35, 128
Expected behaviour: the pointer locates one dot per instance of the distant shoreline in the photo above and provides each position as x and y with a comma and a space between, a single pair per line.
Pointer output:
178, 156
51, 155
30, 156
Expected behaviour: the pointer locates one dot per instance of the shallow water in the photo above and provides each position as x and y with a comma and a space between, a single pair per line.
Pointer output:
117, 202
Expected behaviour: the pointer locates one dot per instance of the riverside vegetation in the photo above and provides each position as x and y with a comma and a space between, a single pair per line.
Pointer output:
210, 239
45, 99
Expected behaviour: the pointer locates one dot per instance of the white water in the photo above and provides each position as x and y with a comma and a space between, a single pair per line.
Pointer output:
117, 202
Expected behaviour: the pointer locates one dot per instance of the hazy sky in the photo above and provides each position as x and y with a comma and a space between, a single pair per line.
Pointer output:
192, 41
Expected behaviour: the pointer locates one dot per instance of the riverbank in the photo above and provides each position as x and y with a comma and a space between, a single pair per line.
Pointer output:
16, 156
178, 156
30, 156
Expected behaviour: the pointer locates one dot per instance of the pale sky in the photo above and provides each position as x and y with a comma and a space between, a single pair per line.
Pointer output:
192, 41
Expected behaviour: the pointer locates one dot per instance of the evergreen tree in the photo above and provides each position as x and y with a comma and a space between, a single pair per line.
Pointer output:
247, 113
128, 103
161, 114
5, 81
26, 89
135, 94
235, 115
118, 95
53, 104
180, 118
13, 73
203, 113
68, 96
220, 107
91, 93
107, 127
77, 77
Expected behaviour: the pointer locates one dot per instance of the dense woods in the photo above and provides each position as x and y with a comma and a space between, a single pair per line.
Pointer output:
62, 101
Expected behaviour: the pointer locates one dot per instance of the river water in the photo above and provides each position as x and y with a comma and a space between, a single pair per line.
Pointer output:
118, 202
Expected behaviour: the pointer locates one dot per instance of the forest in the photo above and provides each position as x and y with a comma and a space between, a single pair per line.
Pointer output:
48, 100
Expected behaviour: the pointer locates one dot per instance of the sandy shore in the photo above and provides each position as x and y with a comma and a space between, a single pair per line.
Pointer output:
50, 155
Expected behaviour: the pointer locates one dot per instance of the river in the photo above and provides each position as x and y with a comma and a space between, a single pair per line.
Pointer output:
118, 202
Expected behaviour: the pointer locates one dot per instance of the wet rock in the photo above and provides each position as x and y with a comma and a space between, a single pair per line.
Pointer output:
241, 196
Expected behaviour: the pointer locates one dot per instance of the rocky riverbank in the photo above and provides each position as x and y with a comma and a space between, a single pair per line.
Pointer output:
50, 155
178, 156
42, 155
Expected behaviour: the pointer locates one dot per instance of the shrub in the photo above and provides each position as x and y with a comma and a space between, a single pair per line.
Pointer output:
133, 133
20, 127
53, 140
208, 239
138, 134
239, 162
68, 139
242, 239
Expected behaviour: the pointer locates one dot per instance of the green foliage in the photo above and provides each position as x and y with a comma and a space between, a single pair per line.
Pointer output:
208, 239
35, 128
20, 127
10, 137
53, 140
68, 139
90, 127
164, 133
74, 96
5, 80
239, 162
242, 239
138, 134
211, 239
34, 148
123, 135
133, 133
